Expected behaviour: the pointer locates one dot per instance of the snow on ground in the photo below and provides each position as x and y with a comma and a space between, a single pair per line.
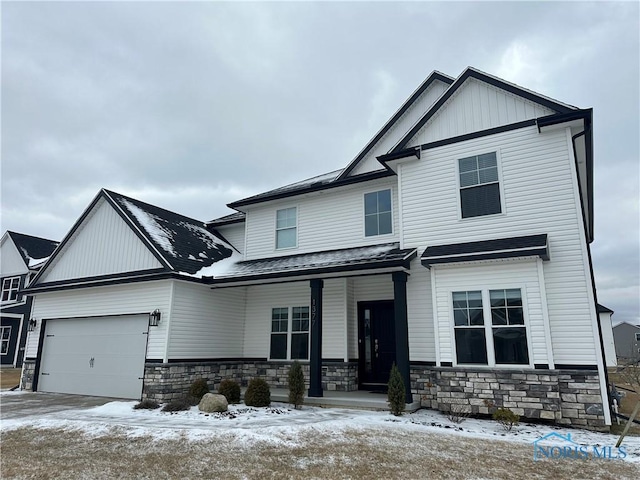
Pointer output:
280, 424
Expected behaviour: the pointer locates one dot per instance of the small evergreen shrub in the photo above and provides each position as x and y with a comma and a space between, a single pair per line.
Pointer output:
177, 405
198, 389
396, 394
146, 404
506, 418
257, 394
230, 389
296, 385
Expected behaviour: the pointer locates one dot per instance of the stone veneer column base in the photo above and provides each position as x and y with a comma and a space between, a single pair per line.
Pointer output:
167, 381
28, 373
566, 397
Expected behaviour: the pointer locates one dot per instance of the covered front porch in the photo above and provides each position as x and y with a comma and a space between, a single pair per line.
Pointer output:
359, 399
353, 304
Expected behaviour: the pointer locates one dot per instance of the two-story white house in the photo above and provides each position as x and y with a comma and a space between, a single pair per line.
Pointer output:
21, 256
455, 244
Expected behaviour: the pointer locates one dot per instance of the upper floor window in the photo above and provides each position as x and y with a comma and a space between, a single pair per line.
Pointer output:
479, 185
377, 213
286, 228
637, 337
10, 289
503, 340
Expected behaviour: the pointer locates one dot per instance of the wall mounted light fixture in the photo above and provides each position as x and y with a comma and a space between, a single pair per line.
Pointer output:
33, 323
154, 318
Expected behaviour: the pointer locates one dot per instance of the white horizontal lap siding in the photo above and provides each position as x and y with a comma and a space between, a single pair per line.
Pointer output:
261, 300
477, 106
372, 288
369, 163
420, 314
536, 180
491, 276
206, 323
352, 314
103, 245
330, 220
234, 234
104, 301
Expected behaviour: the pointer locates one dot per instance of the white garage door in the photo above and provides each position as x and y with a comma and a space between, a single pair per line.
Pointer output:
101, 356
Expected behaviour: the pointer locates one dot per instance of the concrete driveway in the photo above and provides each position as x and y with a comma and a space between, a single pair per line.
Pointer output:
28, 404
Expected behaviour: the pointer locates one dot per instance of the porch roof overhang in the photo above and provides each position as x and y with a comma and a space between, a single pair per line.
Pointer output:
368, 260
531, 245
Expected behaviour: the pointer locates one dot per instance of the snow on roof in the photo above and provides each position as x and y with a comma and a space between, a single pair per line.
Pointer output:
184, 243
235, 217
35, 251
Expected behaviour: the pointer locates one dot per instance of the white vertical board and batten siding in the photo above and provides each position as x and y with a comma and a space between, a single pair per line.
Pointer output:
329, 220
477, 106
104, 244
106, 301
369, 162
11, 263
491, 276
539, 198
206, 323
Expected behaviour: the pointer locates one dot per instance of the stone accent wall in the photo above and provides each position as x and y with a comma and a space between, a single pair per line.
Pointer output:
166, 381
28, 372
567, 397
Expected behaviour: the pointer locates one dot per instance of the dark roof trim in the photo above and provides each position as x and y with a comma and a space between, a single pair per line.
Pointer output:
603, 309
314, 188
472, 73
581, 114
236, 217
114, 279
460, 138
532, 245
401, 111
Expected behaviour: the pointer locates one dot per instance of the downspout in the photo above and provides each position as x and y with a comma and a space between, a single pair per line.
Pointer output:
593, 279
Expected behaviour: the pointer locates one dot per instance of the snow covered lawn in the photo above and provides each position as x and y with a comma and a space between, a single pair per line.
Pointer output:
115, 441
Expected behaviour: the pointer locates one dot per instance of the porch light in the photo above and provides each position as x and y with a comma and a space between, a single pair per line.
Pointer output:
154, 318
32, 325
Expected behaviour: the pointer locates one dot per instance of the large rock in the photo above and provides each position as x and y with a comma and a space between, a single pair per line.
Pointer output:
212, 402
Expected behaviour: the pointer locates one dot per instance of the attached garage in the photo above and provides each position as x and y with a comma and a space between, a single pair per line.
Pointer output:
100, 356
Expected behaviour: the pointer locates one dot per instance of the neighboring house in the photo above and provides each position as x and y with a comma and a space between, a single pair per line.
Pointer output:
455, 244
627, 339
21, 256
607, 335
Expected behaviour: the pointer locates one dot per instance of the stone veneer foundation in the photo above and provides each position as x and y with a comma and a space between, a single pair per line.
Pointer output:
166, 381
566, 397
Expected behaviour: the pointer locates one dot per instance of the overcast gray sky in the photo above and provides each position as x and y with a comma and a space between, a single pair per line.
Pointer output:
190, 106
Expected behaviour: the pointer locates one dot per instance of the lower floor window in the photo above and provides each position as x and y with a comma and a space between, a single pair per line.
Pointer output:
489, 327
5, 335
289, 340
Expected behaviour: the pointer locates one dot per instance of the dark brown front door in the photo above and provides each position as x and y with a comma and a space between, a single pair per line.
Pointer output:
377, 343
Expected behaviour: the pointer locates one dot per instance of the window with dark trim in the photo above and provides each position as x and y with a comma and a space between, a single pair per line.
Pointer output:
5, 335
10, 289
289, 340
479, 185
503, 340
377, 213
286, 228
637, 337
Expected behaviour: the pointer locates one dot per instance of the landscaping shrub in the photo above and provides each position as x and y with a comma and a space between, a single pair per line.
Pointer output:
296, 385
257, 394
230, 389
506, 418
457, 413
177, 405
396, 394
198, 389
146, 404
